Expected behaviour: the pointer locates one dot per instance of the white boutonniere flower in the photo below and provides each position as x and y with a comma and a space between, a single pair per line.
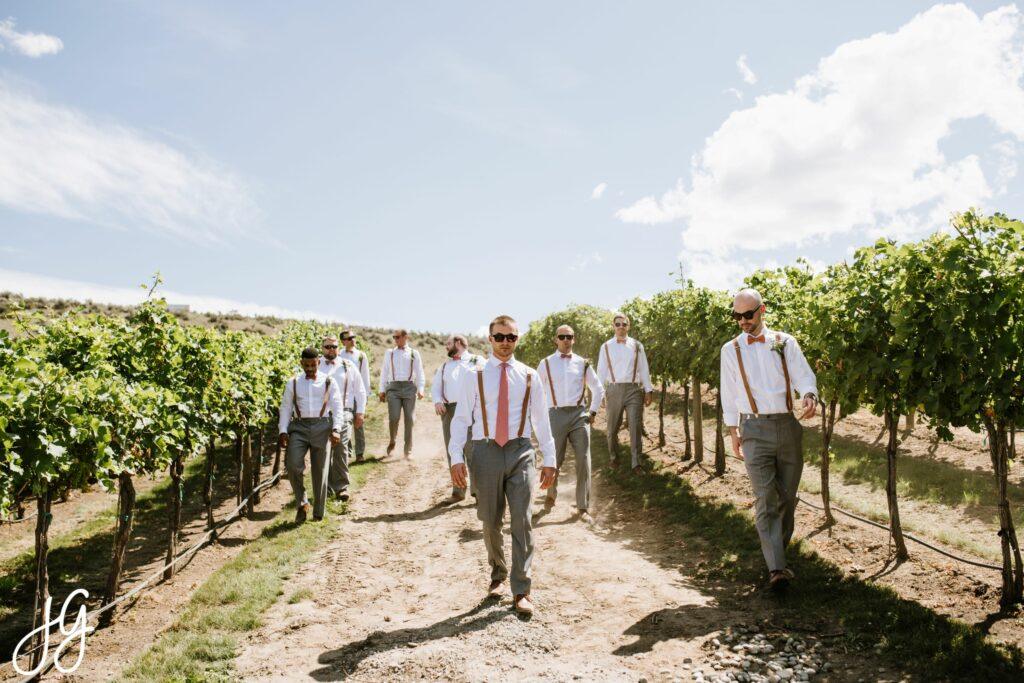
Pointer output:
778, 345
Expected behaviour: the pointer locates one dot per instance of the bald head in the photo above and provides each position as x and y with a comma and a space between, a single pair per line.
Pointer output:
564, 329
565, 337
748, 297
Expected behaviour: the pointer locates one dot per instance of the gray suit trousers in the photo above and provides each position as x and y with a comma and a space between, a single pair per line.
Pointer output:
504, 474
401, 398
313, 435
338, 480
773, 454
570, 425
622, 398
467, 450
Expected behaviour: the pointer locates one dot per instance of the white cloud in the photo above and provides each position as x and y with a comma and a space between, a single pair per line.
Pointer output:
583, 261
735, 92
57, 161
32, 285
28, 43
749, 77
599, 191
854, 147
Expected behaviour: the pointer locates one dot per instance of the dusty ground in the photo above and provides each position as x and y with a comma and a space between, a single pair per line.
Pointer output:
400, 595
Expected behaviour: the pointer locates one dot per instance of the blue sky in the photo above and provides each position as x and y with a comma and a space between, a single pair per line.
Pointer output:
433, 164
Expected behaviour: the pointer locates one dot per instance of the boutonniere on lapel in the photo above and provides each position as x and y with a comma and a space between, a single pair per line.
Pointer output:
778, 345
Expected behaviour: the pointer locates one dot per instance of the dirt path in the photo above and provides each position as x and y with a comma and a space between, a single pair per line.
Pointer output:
400, 595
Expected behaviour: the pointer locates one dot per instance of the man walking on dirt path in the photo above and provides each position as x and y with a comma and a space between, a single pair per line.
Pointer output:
362, 363
311, 416
501, 401
760, 370
565, 376
444, 390
622, 368
353, 400
401, 383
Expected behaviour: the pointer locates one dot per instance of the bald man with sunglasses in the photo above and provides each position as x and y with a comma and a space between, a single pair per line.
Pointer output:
761, 369
623, 369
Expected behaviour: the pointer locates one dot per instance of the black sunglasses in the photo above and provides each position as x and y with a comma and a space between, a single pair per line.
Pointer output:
566, 337
621, 324
745, 315
330, 346
501, 336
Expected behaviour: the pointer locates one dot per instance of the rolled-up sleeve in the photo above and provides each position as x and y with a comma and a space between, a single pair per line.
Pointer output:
727, 388
463, 418
542, 423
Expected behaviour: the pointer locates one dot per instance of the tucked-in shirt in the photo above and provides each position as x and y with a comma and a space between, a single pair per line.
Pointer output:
350, 384
362, 363
623, 357
309, 394
468, 410
445, 386
402, 365
567, 377
763, 366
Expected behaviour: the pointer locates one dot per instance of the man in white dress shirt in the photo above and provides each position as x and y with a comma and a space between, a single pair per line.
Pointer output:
358, 358
761, 368
565, 376
353, 401
401, 383
501, 401
623, 369
444, 390
311, 417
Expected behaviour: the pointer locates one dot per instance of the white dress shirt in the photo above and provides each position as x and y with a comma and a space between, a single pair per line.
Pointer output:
396, 366
763, 366
350, 384
445, 387
468, 410
362, 363
567, 376
623, 356
310, 396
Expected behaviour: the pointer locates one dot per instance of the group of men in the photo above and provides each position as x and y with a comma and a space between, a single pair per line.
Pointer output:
492, 409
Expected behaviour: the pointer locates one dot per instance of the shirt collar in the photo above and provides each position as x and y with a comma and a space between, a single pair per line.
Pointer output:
615, 340
493, 360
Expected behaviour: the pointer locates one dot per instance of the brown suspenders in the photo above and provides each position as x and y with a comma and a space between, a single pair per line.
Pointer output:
583, 389
443, 397
295, 397
483, 403
412, 363
746, 382
636, 361
551, 383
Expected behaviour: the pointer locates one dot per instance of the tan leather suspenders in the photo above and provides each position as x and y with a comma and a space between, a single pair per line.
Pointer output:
483, 403
583, 389
295, 398
412, 363
551, 383
746, 382
636, 361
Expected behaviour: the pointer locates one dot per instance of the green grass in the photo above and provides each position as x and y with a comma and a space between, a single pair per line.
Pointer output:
913, 637
203, 642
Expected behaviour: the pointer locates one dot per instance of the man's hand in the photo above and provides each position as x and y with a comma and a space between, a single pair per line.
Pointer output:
648, 398
419, 394
459, 475
381, 396
357, 421
335, 438
737, 447
591, 416
282, 440
439, 408
810, 407
548, 476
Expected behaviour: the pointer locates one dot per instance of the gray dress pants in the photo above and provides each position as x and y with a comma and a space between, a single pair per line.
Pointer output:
312, 435
504, 474
773, 454
338, 480
401, 398
467, 450
623, 397
570, 425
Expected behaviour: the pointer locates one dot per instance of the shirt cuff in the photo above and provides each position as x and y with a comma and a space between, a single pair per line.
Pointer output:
457, 458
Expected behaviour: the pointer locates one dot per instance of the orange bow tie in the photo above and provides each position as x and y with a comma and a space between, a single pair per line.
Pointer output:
759, 338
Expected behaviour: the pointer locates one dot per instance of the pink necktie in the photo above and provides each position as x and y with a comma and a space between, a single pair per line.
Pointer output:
501, 426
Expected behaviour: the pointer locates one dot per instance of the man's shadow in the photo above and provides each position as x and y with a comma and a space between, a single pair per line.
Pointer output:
340, 663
